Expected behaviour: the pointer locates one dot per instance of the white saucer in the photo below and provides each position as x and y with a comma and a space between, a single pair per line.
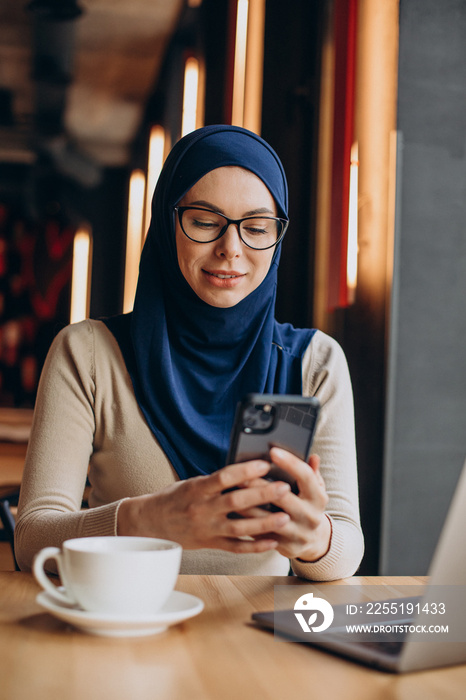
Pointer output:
180, 606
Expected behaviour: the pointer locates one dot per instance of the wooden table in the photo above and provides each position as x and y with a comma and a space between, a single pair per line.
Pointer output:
12, 456
215, 656
15, 425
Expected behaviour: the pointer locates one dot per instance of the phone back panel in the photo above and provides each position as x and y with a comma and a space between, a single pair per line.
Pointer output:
268, 420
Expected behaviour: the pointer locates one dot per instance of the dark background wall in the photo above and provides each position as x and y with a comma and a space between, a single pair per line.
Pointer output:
425, 442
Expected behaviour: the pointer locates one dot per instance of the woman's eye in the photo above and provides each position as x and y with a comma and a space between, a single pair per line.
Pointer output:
258, 228
256, 231
204, 224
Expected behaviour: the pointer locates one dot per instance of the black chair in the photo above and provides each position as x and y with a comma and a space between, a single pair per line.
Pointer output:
8, 499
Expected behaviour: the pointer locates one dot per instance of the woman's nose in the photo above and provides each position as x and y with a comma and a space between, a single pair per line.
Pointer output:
229, 245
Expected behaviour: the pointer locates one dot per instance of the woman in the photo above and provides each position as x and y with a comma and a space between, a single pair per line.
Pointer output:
147, 399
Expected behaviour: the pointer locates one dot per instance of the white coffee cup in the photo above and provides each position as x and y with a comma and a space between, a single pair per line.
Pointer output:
124, 576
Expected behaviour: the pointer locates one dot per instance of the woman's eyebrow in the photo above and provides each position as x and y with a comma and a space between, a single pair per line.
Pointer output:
213, 207
203, 203
261, 210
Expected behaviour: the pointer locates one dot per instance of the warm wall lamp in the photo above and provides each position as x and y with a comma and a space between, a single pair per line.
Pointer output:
154, 166
352, 247
137, 186
239, 70
81, 275
190, 95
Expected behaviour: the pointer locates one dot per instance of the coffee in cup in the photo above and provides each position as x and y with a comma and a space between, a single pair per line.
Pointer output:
124, 576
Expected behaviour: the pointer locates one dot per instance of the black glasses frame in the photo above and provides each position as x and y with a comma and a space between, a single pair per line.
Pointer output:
236, 222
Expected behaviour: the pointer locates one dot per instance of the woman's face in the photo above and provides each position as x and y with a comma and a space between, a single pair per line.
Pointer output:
225, 271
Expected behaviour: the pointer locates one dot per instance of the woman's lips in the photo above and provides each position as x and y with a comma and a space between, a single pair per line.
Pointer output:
225, 279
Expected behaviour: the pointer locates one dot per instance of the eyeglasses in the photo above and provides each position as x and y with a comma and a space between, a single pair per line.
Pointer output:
205, 226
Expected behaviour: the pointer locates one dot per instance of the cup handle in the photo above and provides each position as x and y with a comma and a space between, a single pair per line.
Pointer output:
59, 594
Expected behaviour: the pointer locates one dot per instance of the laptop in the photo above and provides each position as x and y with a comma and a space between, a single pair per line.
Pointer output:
410, 650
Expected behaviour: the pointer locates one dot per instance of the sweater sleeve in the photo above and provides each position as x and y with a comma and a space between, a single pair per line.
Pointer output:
59, 451
326, 376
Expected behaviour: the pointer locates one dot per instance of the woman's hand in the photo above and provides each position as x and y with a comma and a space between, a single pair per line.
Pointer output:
308, 533
195, 512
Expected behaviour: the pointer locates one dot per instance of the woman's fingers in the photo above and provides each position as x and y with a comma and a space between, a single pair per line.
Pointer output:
235, 476
243, 499
253, 527
308, 477
240, 487
246, 546
256, 512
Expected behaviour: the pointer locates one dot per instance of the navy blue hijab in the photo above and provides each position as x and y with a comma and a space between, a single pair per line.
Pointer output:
190, 363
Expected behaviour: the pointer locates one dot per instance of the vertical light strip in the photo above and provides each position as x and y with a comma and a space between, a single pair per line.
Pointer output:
239, 70
80, 277
200, 110
190, 95
352, 251
154, 166
252, 119
133, 237
391, 210
320, 263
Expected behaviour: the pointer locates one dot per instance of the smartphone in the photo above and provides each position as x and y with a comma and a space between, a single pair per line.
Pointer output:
263, 421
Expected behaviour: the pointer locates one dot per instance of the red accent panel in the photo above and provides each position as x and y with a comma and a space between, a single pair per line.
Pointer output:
345, 24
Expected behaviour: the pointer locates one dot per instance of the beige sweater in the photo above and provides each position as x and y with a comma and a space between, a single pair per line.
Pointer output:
87, 417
